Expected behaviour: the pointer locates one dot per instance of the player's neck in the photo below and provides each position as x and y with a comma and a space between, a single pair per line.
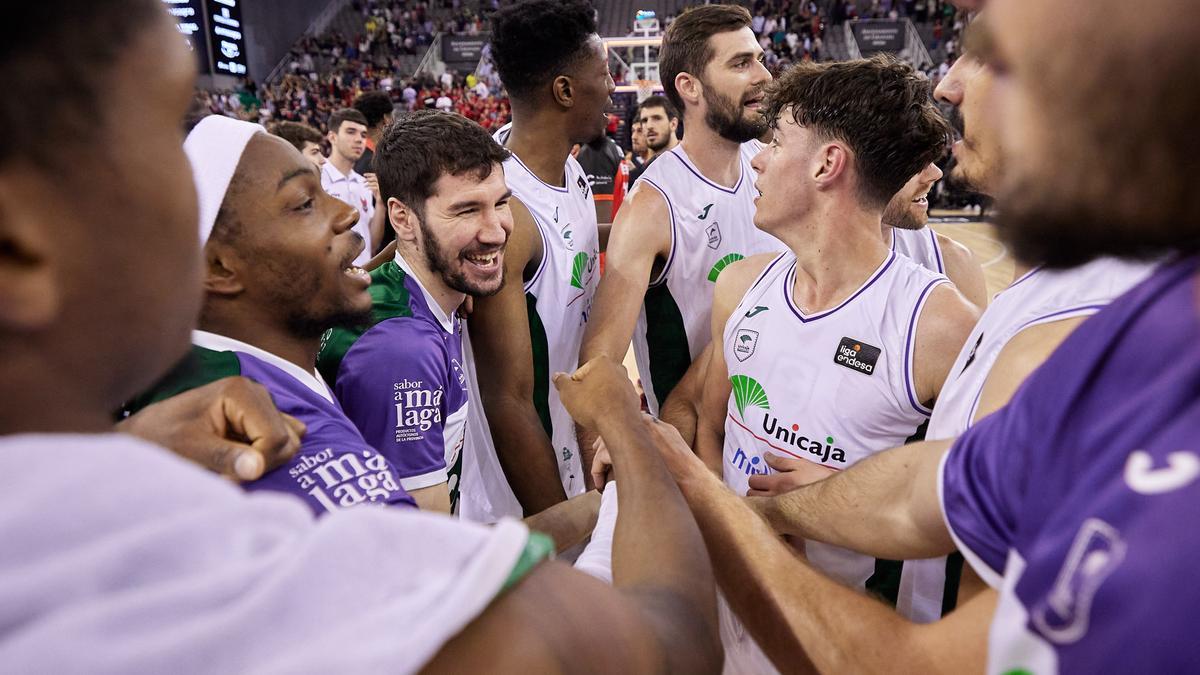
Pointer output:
718, 159
37, 403
341, 162
540, 145
447, 299
837, 250
886, 231
256, 328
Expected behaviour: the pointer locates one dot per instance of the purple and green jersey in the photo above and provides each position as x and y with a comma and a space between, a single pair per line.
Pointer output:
334, 467
401, 381
1074, 499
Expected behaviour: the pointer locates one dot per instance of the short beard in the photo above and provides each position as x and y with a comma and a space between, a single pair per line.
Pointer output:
302, 319
901, 218
1042, 228
725, 117
661, 146
441, 266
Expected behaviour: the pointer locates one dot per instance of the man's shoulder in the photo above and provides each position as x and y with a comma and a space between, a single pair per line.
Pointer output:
200, 366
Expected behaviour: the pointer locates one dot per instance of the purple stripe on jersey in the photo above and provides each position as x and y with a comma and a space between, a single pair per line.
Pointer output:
937, 250
791, 280
545, 253
909, 386
563, 189
766, 271
1059, 315
662, 276
1021, 279
688, 165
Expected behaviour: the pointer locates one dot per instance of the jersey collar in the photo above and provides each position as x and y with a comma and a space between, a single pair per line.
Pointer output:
335, 175
309, 378
435, 307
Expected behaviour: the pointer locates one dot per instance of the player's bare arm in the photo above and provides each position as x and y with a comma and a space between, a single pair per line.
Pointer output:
942, 328
640, 235
568, 523
964, 269
801, 618
1020, 357
682, 407
731, 286
884, 506
432, 498
661, 616
504, 361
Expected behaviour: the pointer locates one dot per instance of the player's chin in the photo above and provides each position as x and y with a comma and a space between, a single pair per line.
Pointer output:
483, 284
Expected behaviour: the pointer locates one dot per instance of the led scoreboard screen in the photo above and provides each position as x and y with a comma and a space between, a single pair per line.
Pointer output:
189, 20
214, 31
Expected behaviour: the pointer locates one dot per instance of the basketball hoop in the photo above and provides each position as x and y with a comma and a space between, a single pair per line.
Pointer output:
646, 89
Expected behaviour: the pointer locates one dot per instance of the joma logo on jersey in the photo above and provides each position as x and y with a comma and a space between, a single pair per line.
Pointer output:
417, 410
856, 355
823, 451
751, 466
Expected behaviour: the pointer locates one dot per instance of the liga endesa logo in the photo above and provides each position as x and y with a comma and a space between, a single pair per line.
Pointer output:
857, 355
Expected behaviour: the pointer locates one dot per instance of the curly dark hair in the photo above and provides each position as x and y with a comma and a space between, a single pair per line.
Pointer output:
880, 107
374, 105
537, 40
685, 47
420, 147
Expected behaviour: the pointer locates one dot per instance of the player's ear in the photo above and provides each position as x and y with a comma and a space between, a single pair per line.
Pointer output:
690, 88
404, 220
829, 162
30, 290
562, 91
221, 267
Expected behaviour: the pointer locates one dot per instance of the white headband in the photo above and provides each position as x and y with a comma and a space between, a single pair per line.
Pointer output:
214, 148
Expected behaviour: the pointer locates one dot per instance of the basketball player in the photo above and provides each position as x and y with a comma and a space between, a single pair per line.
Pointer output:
278, 274
1021, 328
399, 374
144, 562
660, 121
1067, 499
302, 137
691, 213
905, 230
347, 140
821, 361
533, 326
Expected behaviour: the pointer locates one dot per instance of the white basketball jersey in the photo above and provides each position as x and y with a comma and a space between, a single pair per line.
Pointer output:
711, 227
559, 295
1040, 296
832, 388
921, 246
485, 495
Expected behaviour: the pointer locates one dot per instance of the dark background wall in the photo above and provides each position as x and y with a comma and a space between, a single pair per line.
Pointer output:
271, 28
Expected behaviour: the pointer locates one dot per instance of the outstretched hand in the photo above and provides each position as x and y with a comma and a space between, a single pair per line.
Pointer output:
230, 426
788, 474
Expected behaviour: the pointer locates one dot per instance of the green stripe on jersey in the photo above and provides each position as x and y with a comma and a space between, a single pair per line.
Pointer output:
389, 300
541, 364
200, 367
538, 547
666, 343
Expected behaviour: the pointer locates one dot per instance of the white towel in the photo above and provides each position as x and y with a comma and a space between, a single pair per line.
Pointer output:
214, 148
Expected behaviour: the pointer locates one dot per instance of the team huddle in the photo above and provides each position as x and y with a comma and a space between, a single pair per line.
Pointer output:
847, 457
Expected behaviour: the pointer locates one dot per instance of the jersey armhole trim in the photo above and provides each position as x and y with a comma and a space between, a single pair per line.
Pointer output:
937, 251
538, 548
662, 276
985, 572
910, 386
1060, 315
537, 274
425, 480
